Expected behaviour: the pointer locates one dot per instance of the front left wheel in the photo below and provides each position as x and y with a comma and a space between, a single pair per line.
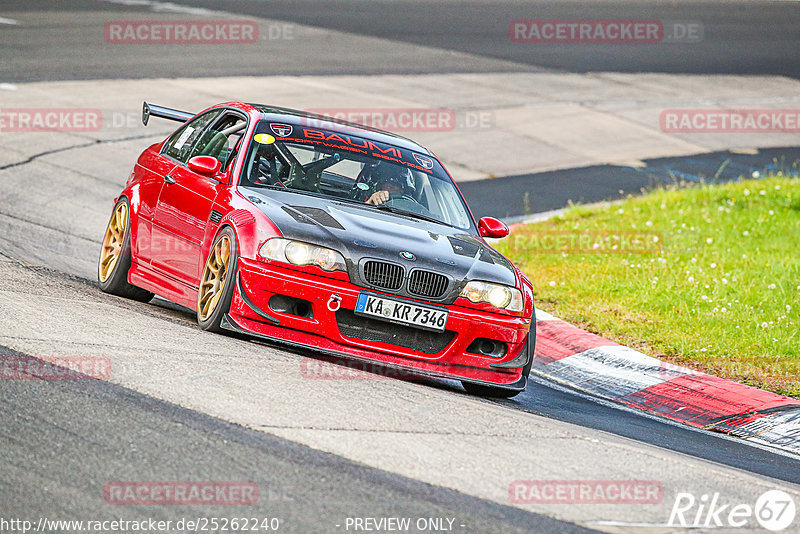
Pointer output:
115, 257
217, 281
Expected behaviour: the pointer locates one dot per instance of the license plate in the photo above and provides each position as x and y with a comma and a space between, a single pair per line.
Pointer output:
395, 311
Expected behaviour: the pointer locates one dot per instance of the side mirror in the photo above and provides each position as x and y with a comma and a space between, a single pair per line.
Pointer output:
492, 228
205, 165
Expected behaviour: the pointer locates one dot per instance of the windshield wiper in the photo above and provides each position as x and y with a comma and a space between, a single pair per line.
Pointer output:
407, 213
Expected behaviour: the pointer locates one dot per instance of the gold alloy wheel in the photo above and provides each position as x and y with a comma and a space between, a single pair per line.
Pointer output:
212, 282
112, 242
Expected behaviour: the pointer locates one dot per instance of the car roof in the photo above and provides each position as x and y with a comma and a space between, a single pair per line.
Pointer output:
297, 117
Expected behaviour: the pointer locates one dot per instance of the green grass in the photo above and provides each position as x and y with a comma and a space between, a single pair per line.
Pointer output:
717, 292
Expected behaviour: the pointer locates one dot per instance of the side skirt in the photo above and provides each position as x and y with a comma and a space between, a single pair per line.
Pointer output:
174, 290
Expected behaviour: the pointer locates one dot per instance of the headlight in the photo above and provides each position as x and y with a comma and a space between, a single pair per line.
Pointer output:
499, 296
299, 253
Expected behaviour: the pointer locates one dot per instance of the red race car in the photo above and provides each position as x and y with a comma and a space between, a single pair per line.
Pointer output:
302, 229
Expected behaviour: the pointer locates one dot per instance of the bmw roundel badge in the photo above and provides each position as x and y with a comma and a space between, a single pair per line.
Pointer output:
408, 256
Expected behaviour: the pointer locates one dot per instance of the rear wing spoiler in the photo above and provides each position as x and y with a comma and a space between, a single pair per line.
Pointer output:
149, 110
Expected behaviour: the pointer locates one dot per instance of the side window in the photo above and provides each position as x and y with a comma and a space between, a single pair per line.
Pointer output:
181, 144
221, 140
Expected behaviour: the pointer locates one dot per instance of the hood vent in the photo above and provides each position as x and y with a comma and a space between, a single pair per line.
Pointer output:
463, 248
320, 216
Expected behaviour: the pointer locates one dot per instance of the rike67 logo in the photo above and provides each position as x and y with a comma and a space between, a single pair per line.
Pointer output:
774, 510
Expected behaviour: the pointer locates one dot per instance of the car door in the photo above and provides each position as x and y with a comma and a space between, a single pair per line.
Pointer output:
186, 199
149, 173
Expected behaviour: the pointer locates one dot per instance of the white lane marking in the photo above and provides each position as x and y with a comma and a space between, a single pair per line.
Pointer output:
543, 380
542, 315
648, 525
8, 87
777, 429
129, 2
611, 372
547, 215
164, 7
169, 7
4, 20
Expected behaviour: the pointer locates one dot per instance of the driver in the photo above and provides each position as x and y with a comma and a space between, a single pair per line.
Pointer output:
391, 180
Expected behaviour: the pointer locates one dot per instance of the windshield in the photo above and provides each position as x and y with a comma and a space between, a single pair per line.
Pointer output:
345, 167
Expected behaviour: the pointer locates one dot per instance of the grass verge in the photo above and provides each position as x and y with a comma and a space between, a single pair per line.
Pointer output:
706, 277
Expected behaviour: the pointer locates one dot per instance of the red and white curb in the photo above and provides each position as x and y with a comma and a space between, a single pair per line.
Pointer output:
574, 357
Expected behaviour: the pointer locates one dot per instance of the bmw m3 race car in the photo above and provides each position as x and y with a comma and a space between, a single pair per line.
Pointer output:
303, 229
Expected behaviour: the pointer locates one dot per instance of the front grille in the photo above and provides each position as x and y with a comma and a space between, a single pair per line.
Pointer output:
358, 327
383, 275
427, 284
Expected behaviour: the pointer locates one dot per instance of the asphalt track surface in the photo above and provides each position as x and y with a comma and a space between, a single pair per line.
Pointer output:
61, 441
64, 440
515, 197
111, 433
738, 38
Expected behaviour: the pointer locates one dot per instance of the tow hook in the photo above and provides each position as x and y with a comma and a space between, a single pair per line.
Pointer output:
334, 303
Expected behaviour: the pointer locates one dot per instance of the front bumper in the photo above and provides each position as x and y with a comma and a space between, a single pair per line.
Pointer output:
251, 312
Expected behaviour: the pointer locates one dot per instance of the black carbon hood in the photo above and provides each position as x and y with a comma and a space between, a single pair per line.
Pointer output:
361, 232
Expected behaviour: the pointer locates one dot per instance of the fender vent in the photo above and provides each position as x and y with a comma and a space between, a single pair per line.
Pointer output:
215, 216
240, 217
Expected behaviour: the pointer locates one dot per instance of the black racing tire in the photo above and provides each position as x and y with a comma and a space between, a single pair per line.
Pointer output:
210, 320
481, 390
113, 278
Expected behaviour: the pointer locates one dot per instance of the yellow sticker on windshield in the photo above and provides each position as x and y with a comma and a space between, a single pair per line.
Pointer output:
264, 139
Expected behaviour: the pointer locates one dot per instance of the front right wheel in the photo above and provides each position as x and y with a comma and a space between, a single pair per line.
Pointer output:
217, 281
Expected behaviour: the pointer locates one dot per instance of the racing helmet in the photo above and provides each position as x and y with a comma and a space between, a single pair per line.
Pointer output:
401, 176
